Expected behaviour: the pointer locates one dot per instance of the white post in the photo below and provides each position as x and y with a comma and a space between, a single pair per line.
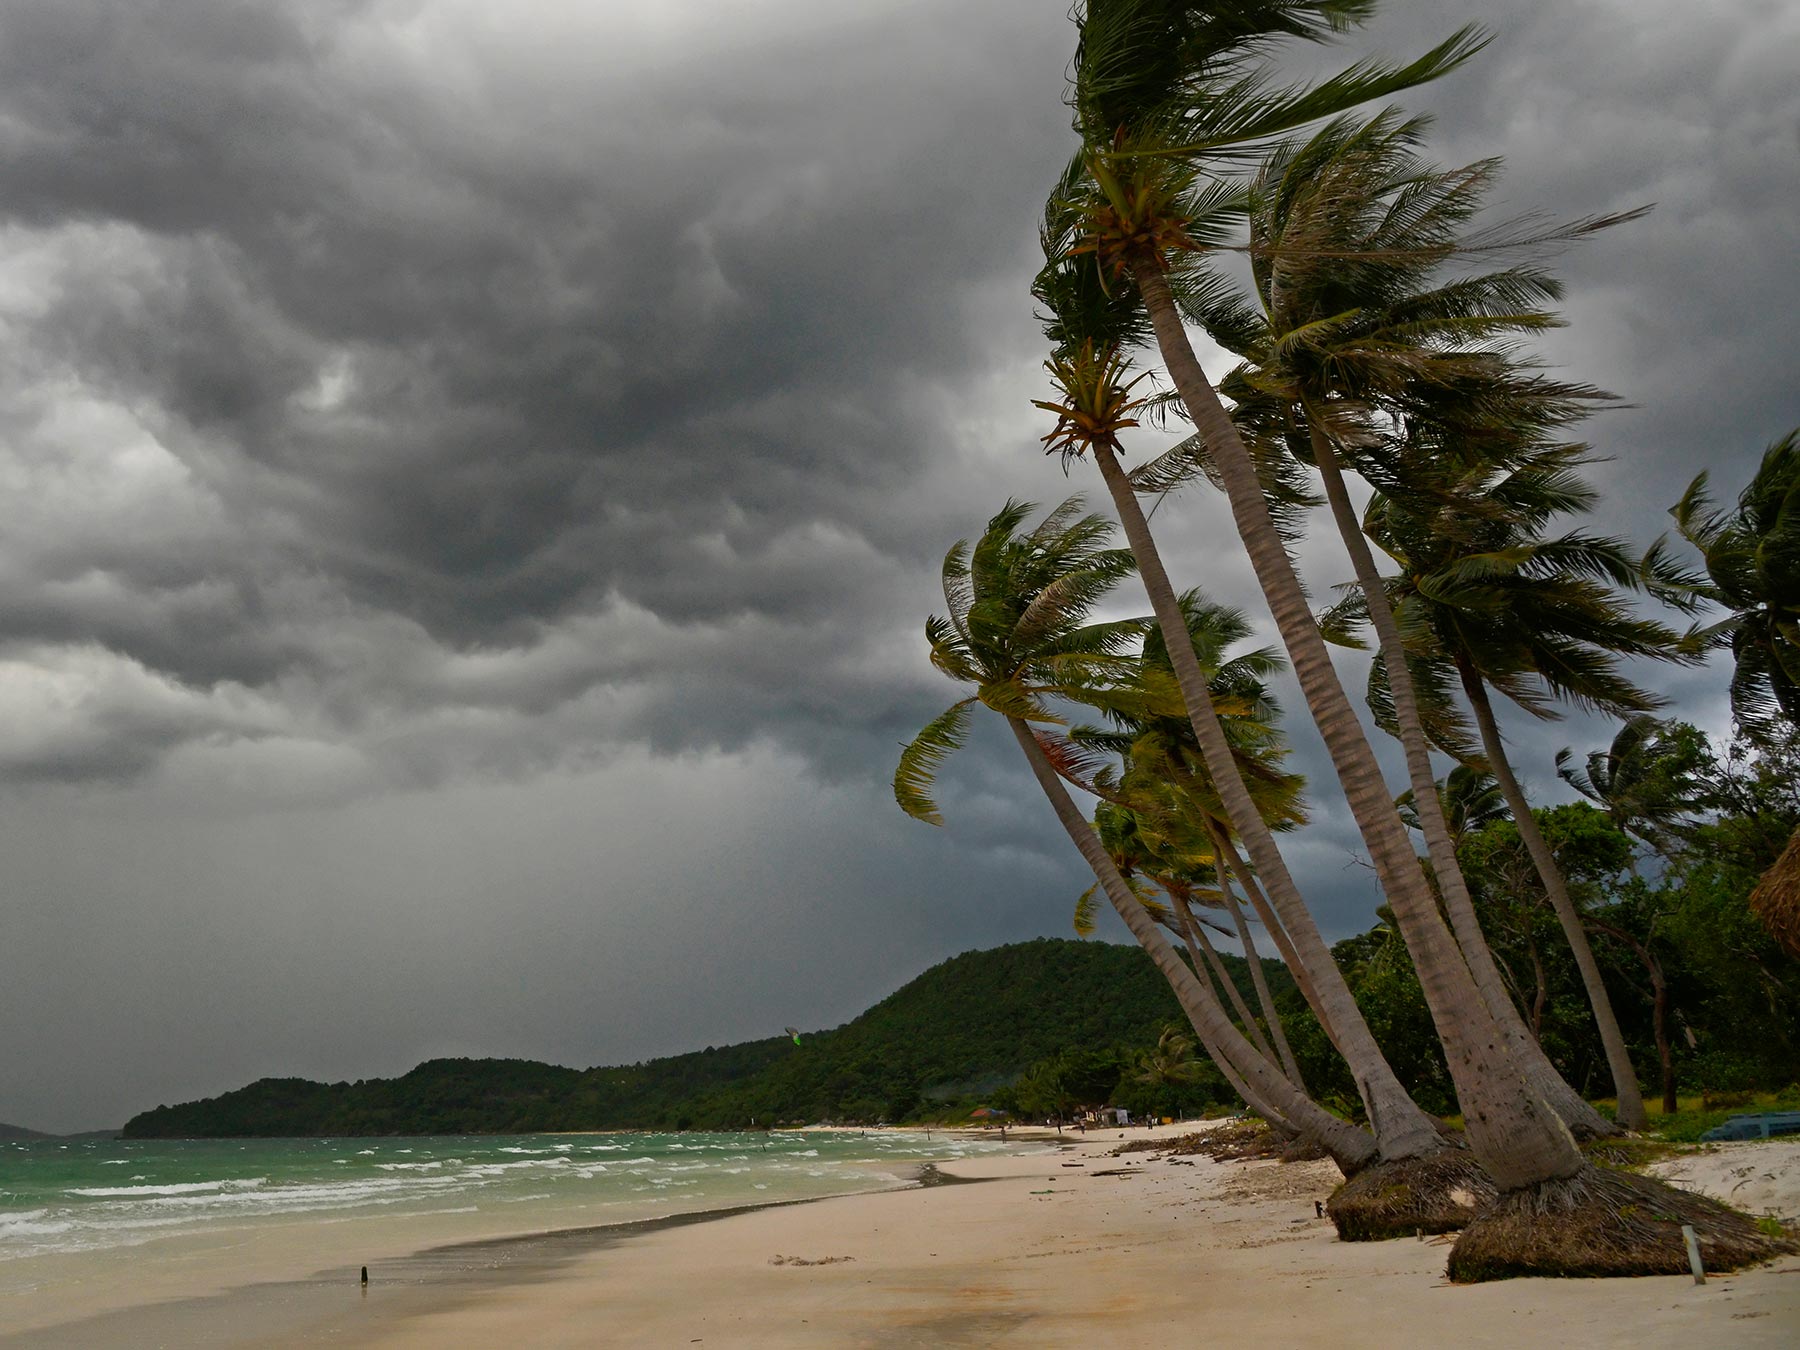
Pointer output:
1693, 1249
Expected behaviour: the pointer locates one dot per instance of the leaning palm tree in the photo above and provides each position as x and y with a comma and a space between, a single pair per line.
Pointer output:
1752, 558
1159, 89
1487, 602
1018, 631
1350, 318
1091, 322
1178, 814
1470, 798
1151, 835
1148, 870
1097, 405
1142, 128
1170, 1063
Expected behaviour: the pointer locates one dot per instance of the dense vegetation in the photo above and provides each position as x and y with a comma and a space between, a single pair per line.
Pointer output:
964, 1028
1673, 920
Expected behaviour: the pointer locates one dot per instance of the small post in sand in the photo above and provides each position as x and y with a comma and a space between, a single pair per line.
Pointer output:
1693, 1246
365, 1277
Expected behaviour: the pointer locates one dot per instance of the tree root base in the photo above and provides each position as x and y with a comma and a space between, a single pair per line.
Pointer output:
1438, 1193
1600, 1223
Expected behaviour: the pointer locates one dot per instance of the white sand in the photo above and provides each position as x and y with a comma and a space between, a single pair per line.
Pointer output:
1113, 1252
1760, 1178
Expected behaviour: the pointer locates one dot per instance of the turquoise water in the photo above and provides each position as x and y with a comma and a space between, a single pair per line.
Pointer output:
91, 1196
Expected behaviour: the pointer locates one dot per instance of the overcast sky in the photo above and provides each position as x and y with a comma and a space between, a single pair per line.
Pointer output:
473, 477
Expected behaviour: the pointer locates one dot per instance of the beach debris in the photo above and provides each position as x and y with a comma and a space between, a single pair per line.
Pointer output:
1226, 1143
779, 1260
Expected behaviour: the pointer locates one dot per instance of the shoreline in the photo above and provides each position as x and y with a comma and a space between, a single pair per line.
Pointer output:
308, 1307
1057, 1246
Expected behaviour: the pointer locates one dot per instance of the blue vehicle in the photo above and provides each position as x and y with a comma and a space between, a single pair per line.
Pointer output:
1767, 1125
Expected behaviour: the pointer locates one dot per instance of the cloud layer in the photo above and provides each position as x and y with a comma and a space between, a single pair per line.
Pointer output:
407, 412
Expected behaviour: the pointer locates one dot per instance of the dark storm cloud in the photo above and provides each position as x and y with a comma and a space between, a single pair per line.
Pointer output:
491, 348
1605, 106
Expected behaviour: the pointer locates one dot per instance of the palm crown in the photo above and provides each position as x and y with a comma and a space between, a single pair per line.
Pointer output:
1482, 590
1017, 629
1752, 557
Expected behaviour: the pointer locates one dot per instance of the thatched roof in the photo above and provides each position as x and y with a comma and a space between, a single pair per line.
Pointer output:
1776, 898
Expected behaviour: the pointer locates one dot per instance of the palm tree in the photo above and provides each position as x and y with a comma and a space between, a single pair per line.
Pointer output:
1649, 780
1017, 630
1351, 320
1163, 847
1144, 868
1145, 119
1752, 557
1179, 817
1091, 320
1171, 1062
1470, 798
1088, 323
1485, 600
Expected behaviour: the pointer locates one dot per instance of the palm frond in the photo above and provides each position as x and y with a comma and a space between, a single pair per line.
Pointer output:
942, 737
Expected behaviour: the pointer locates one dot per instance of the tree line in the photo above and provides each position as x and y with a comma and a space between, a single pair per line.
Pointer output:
931, 1052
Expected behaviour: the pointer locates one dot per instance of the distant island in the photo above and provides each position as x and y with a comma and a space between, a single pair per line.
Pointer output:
964, 1028
21, 1134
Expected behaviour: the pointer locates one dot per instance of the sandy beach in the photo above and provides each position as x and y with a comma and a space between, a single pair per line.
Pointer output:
1065, 1247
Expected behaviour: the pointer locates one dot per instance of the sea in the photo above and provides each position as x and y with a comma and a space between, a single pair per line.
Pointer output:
91, 1196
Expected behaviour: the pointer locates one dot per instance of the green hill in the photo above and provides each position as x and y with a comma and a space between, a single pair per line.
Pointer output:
960, 1030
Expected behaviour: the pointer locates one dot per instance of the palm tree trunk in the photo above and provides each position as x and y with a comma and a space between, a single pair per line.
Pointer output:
1350, 1147
1195, 936
1458, 905
1515, 1134
1618, 1058
1258, 979
1251, 1099
1224, 1065
1236, 1080
1401, 1128
1284, 946
1659, 1003
1540, 993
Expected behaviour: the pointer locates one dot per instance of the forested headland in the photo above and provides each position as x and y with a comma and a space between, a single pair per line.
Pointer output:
934, 1049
